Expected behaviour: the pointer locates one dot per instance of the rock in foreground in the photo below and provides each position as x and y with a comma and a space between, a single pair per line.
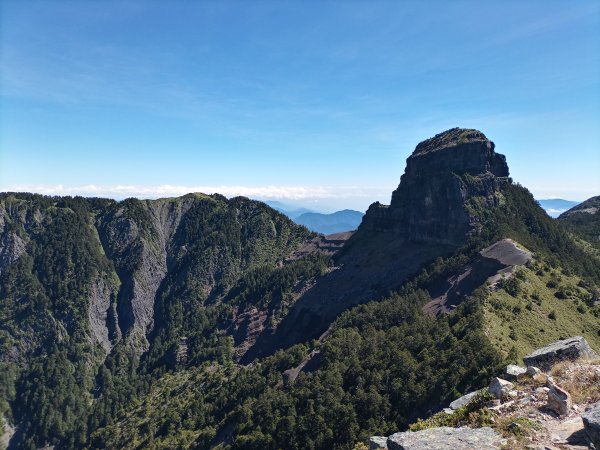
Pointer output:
568, 349
591, 423
447, 438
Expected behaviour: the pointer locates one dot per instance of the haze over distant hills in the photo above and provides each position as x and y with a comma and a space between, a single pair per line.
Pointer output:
206, 322
554, 207
336, 222
349, 219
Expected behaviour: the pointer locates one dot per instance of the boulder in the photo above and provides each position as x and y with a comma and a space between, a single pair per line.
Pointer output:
567, 349
378, 443
513, 371
540, 378
463, 401
532, 371
559, 400
500, 388
447, 438
591, 424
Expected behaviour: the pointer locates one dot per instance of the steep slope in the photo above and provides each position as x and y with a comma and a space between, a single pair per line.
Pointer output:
429, 217
124, 323
585, 220
87, 286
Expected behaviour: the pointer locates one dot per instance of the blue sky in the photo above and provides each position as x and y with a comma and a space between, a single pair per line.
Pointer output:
315, 103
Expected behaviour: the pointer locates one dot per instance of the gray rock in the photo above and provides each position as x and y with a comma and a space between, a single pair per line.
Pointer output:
559, 400
567, 349
500, 388
99, 312
532, 371
427, 198
6, 433
513, 371
378, 443
447, 438
463, 401
591, 424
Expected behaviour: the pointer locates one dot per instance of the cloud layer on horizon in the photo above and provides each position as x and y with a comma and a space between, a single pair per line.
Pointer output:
169, 190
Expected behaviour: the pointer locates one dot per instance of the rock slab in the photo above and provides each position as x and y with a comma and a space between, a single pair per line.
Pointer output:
500, 388
591, 424
463, 401
567, 349
378, 443
447, 438
513, 371
559, 400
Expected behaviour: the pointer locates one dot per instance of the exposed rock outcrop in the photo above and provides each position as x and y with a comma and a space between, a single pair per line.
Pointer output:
559, 400
443, 438
100, 315
500, 388
6, 433
427, 218
464, 400
567, 349
378, 443
493, 264
441, 175
591, 423
539, 413
513, 371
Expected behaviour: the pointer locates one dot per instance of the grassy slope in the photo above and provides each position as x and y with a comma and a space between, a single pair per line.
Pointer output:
523, 321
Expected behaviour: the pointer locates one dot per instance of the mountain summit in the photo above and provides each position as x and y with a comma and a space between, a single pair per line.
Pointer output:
449, 181
126, 324
442, 175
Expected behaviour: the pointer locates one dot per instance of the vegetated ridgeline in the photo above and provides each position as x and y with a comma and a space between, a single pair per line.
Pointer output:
203, 322
427, 218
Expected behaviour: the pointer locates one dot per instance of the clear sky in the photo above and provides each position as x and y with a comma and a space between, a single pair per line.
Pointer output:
317, 103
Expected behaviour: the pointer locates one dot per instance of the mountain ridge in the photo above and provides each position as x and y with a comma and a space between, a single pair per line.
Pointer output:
110, 309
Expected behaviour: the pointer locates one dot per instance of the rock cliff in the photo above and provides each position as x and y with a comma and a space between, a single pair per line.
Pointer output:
429, 216
441, 176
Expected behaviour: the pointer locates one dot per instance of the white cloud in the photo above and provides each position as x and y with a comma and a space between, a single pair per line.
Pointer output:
168, 190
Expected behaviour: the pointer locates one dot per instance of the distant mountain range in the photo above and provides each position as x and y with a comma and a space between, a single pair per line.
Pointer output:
554, 207
203, 322
345, 220
349, 219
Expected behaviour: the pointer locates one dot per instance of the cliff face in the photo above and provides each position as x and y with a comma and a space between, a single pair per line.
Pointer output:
99, 269
441, 175
428, 217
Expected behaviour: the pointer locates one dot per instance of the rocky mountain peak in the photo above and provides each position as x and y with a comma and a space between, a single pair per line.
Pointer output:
450, 138
441, 176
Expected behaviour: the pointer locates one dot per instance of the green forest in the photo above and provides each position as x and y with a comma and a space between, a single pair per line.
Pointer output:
381, 366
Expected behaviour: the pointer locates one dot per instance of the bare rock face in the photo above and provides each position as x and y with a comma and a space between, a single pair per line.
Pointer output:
99, 314
441, 175
591, 424
513, 371
141, 246
500, 388
559, 400
12, 246
378, 443
567, 349
464, 400
443, 438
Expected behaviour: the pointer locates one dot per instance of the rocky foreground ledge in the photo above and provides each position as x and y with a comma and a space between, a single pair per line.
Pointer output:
558, 408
